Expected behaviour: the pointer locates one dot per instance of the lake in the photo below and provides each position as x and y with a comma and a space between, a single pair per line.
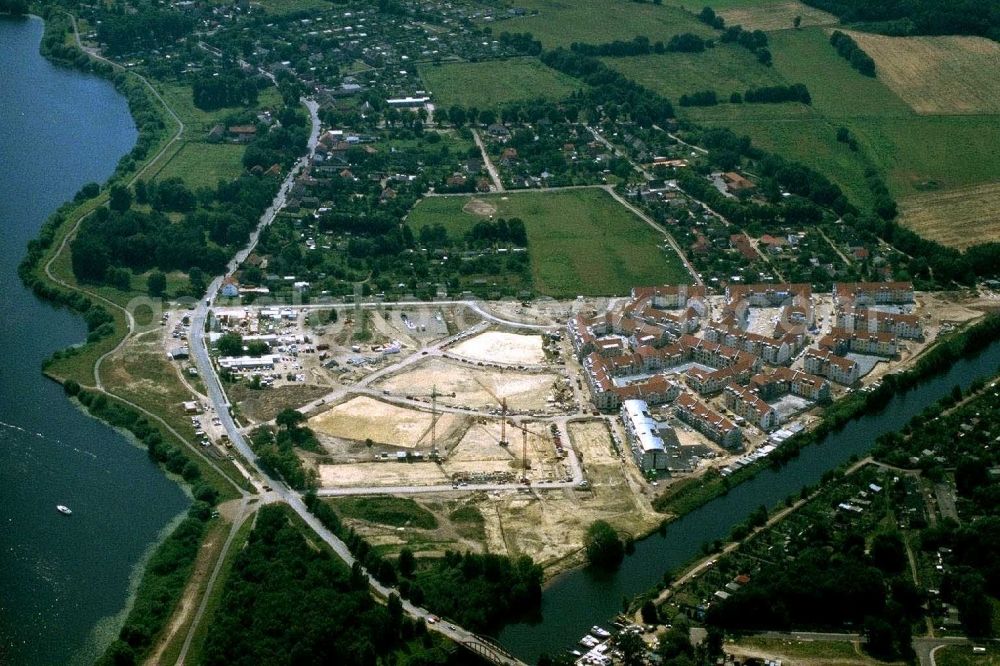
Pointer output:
63, 579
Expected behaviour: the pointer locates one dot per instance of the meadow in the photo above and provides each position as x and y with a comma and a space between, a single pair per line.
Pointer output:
204, 164
581, 242
491, 84
560, 23
725, 69
949, 74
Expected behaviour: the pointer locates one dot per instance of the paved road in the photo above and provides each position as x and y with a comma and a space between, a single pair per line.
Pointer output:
220, 404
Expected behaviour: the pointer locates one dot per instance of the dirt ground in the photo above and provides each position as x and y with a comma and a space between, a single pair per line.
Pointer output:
364, 418
382, 474
480, 207
549, 526
474, 455
502, 347
475, 387
259, 406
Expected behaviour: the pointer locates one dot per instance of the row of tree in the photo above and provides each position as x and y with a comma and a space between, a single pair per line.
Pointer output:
796, 92
852, 53
754, 41
683, 43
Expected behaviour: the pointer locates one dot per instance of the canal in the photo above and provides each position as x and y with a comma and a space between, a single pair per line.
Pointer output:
581, 598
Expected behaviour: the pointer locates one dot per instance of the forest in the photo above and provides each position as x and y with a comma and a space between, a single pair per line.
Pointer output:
123, 237
287, 601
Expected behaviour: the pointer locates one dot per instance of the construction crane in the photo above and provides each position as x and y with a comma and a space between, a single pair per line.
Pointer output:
524, 448
433, 395
503, 411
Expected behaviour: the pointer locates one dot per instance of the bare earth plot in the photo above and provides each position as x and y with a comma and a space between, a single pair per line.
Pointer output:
958, 218
502, 347
366, 418
550, 526
948, 74
475, 388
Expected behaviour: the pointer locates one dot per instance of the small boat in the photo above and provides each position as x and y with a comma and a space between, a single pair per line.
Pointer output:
65, 510
589, 642
600, 632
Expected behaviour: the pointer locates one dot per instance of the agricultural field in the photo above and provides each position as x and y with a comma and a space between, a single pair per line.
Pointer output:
582, 242
764, 15
806, 56
204, 164
921, 152
488, 84
958, 218
724, 69
560, 23
946, 75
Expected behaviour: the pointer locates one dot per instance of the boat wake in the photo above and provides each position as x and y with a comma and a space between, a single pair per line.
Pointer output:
11, 426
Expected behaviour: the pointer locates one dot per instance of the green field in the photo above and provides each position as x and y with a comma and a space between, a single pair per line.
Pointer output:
806, 56
796, 132
204, 164
394, 511
953, 151
582, 242
490, 84
560, 23
197, 121
961, 655
724, 69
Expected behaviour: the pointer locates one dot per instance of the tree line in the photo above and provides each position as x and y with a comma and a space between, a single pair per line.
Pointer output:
610, 89
215, 90
683, 43
754, 41
852, 53
917, 17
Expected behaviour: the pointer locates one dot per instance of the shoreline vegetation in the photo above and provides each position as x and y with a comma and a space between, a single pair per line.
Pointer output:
167, 569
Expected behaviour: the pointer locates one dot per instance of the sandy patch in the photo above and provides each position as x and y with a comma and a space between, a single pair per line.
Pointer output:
473, 387
381, 474
502, 348
366, 418
480, 207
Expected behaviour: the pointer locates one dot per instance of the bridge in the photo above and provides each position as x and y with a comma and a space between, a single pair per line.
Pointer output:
490, 650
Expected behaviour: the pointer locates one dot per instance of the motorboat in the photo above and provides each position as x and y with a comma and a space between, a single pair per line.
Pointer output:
600, 632
65, 510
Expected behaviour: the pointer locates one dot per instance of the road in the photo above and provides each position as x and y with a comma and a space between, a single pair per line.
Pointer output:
220, 405
494, 174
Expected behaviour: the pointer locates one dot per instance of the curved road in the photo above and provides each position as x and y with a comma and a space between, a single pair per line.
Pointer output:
280, 491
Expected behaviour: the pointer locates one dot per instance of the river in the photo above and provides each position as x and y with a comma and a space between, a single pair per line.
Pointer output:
62, 579
579, 599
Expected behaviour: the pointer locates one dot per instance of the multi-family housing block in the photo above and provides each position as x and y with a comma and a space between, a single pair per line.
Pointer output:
709, 422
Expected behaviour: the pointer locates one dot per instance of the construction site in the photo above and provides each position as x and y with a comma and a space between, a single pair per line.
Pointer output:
507, 422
